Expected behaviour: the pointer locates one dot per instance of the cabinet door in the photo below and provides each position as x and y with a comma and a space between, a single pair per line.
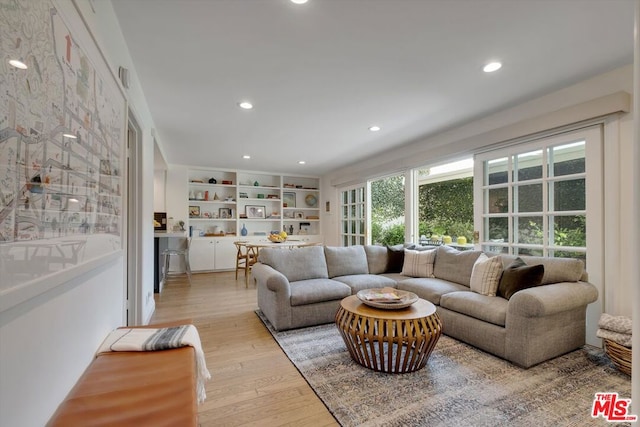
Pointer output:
202, 255
225, 255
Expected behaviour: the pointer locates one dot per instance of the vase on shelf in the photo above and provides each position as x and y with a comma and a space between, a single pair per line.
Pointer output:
243, 231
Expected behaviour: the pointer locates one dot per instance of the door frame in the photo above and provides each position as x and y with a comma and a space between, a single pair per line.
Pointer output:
134, 289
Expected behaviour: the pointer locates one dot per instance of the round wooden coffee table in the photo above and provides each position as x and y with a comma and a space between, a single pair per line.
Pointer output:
393, 341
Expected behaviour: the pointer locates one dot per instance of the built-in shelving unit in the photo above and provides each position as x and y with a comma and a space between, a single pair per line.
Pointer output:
222, 203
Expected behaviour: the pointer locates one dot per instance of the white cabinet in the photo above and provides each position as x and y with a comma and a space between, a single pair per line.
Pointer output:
225, 256
212, 253
202, 254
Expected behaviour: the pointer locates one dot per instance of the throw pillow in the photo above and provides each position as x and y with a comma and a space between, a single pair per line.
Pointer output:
518, 276
418, 263
454, 265
485, 276
395, 259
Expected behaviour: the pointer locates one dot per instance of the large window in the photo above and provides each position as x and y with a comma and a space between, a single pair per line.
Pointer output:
387, 210
353, 217
445, 202
534, 196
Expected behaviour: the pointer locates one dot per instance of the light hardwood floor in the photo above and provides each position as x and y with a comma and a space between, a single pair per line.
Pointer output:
253, 383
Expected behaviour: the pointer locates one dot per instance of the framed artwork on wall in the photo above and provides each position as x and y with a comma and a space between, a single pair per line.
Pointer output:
62, 180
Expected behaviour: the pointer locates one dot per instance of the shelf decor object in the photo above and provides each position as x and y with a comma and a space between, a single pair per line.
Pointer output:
194, 211
311, 201
255, 212
289, 199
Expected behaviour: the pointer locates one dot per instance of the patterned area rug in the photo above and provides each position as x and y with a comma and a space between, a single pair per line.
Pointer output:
460, 386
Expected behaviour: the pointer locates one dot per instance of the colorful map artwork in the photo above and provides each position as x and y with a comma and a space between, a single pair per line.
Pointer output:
62, 124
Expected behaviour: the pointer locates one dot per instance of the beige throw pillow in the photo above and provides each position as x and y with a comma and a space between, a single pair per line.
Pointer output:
418, 263
485, 276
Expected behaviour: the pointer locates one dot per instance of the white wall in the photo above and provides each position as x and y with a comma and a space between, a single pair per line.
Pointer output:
47, 342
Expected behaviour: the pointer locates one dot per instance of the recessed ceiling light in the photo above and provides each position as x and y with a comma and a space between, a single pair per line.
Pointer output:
18, 64
302, 162
246, 156
245, 105
69, 135
491, 67
374, 128
74, 200
299, 1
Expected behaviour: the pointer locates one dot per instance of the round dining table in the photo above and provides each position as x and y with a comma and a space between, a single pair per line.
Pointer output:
257, 245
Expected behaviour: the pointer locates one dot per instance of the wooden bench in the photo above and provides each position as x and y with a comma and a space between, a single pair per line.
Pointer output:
155, 388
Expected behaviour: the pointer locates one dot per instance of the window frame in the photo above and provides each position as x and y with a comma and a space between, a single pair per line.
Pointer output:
593, 176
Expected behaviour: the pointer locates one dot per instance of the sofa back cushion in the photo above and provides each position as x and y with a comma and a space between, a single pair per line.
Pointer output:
555, 269
377, 258
347, 260
296, 263
454, 265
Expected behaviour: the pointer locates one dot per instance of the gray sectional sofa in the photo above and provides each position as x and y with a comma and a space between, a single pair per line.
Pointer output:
304, 287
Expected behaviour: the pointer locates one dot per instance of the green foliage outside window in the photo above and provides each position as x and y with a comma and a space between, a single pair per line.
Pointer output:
444, 208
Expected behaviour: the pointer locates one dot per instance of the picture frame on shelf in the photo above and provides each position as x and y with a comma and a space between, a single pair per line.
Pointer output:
225, 213
255, 212
194, 211
305, 227
298, 215
289, 199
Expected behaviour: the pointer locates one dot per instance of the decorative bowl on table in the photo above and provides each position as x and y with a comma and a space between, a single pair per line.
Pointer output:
387, 298
277, 238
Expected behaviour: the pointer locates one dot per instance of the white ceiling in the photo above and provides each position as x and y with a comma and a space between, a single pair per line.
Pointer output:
320, 74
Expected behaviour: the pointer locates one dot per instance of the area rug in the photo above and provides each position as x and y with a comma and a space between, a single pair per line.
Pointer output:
459, 386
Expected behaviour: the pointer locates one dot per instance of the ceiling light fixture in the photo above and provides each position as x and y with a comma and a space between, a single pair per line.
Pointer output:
374, 128
18, 64
246, 157
491, 67
302, 162
69, 135
245, 105
299, 1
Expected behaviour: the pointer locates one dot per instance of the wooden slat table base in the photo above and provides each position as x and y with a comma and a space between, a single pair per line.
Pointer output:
393, 341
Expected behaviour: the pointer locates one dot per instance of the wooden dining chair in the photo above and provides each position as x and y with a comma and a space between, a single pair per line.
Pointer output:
245, 258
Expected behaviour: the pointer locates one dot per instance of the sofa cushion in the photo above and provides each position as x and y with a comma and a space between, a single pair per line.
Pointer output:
376, 258
481, 307
555, 269
430, 289
358, 282
485, 276
296, 264
454, 265
343, 261
395, 259
418, 263
312, 291
518, 276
